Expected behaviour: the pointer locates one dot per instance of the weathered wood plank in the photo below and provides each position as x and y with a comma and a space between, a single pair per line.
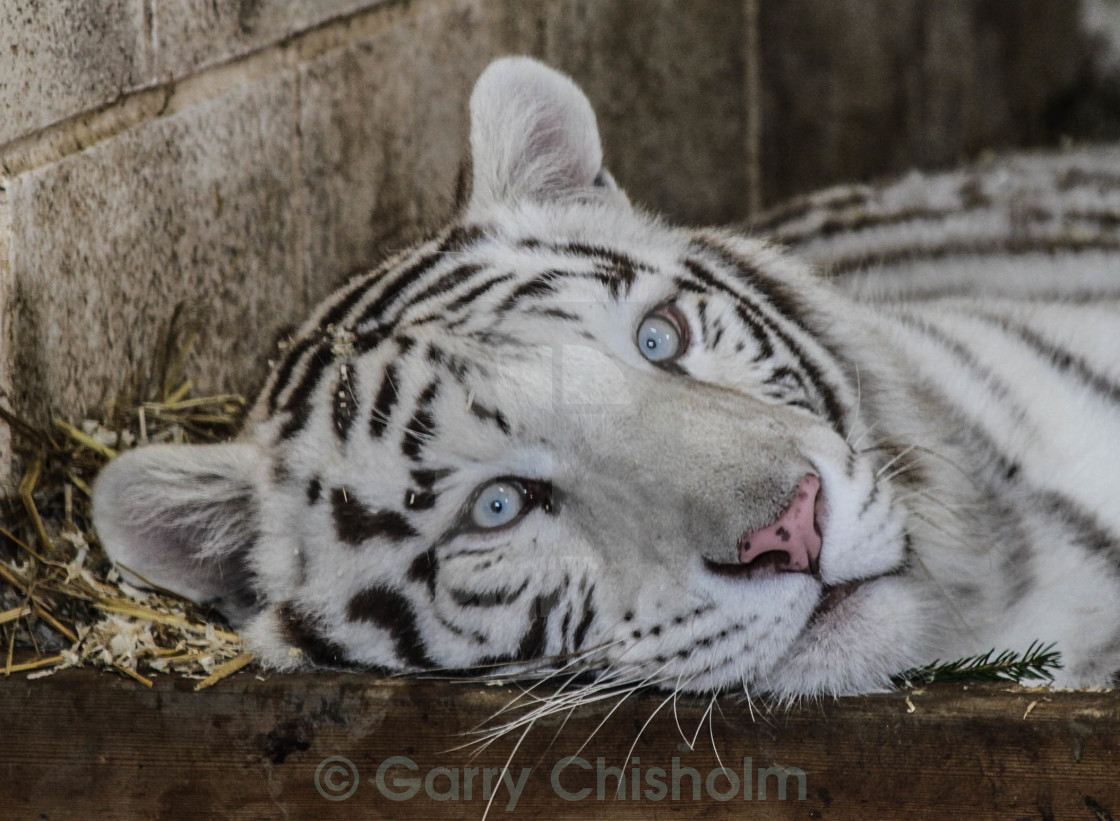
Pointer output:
85, 745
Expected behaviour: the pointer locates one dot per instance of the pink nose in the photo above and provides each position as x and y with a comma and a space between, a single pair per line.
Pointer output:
791, 543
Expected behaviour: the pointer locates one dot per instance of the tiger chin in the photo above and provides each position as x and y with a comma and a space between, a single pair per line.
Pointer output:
564, 436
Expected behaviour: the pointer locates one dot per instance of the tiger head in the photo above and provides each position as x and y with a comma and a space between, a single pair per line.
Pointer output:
560, 435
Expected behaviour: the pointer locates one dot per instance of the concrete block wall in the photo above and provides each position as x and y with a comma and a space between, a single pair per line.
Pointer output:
242, 157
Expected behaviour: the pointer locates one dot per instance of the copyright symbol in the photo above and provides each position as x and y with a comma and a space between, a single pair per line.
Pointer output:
336, 778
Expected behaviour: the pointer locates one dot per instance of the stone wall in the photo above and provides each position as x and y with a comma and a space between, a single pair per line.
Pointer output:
241, 157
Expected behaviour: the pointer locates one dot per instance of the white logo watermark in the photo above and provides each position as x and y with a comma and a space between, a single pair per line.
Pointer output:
399, 778
336, 778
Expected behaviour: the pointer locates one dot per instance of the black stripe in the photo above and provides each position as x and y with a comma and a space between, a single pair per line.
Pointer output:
781, 299
298, 404
420, 499
585, 622
683, 284
867, 503
790, 307
488, 598
564, 626
618, 271
393, 289
615, 269
386, 399
337, 312
1007, 468
979, 248
461, 238
554, 313
747, 312
422, 424
803, 206
782, 377
710, 280
281, 472
445, 283
345, 400
492, 553
387, 609
702, 312
476, 292
1092, 295
354, 523
458, 367
991, 381
427, 477
1098, 219
301, 631
545, 284
535, 638
864, 220
758, 332
285, 373
1088, 532
424, 569
540, 286
1063, 360
623, 266
762, 328
314, 490
427, 319
1102, 181
367, 340
236, 572
487, 415
615, 283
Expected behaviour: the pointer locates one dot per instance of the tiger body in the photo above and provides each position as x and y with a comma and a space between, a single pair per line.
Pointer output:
563, 435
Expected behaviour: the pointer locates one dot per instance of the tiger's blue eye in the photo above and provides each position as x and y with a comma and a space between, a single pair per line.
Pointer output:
497, 504
659, 337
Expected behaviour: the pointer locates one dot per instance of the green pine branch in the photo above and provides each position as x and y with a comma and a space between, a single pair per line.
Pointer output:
1036, 664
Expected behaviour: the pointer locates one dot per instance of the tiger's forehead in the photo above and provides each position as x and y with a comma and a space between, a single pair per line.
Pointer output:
464, 314
474, 274
546, 316
472, 279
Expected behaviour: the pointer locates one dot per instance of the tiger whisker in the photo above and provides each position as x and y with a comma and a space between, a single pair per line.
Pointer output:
935, 526
712, 731
700, 726
481, 727
532, 717
901, 470
955, 512
898, 456
676, 715
505, 769
629, 692
645, 724
586, 695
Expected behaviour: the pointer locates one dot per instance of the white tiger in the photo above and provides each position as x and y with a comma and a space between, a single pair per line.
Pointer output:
563, 435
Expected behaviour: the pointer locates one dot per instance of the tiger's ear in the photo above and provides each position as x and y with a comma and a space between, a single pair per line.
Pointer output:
533, 136
185, 518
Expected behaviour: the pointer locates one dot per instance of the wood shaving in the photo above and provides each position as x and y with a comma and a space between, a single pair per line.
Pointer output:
62, 605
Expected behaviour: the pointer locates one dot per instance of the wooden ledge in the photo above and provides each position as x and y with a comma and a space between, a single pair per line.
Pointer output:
87, 745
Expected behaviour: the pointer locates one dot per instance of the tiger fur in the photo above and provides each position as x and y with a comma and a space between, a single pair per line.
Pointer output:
565, 436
